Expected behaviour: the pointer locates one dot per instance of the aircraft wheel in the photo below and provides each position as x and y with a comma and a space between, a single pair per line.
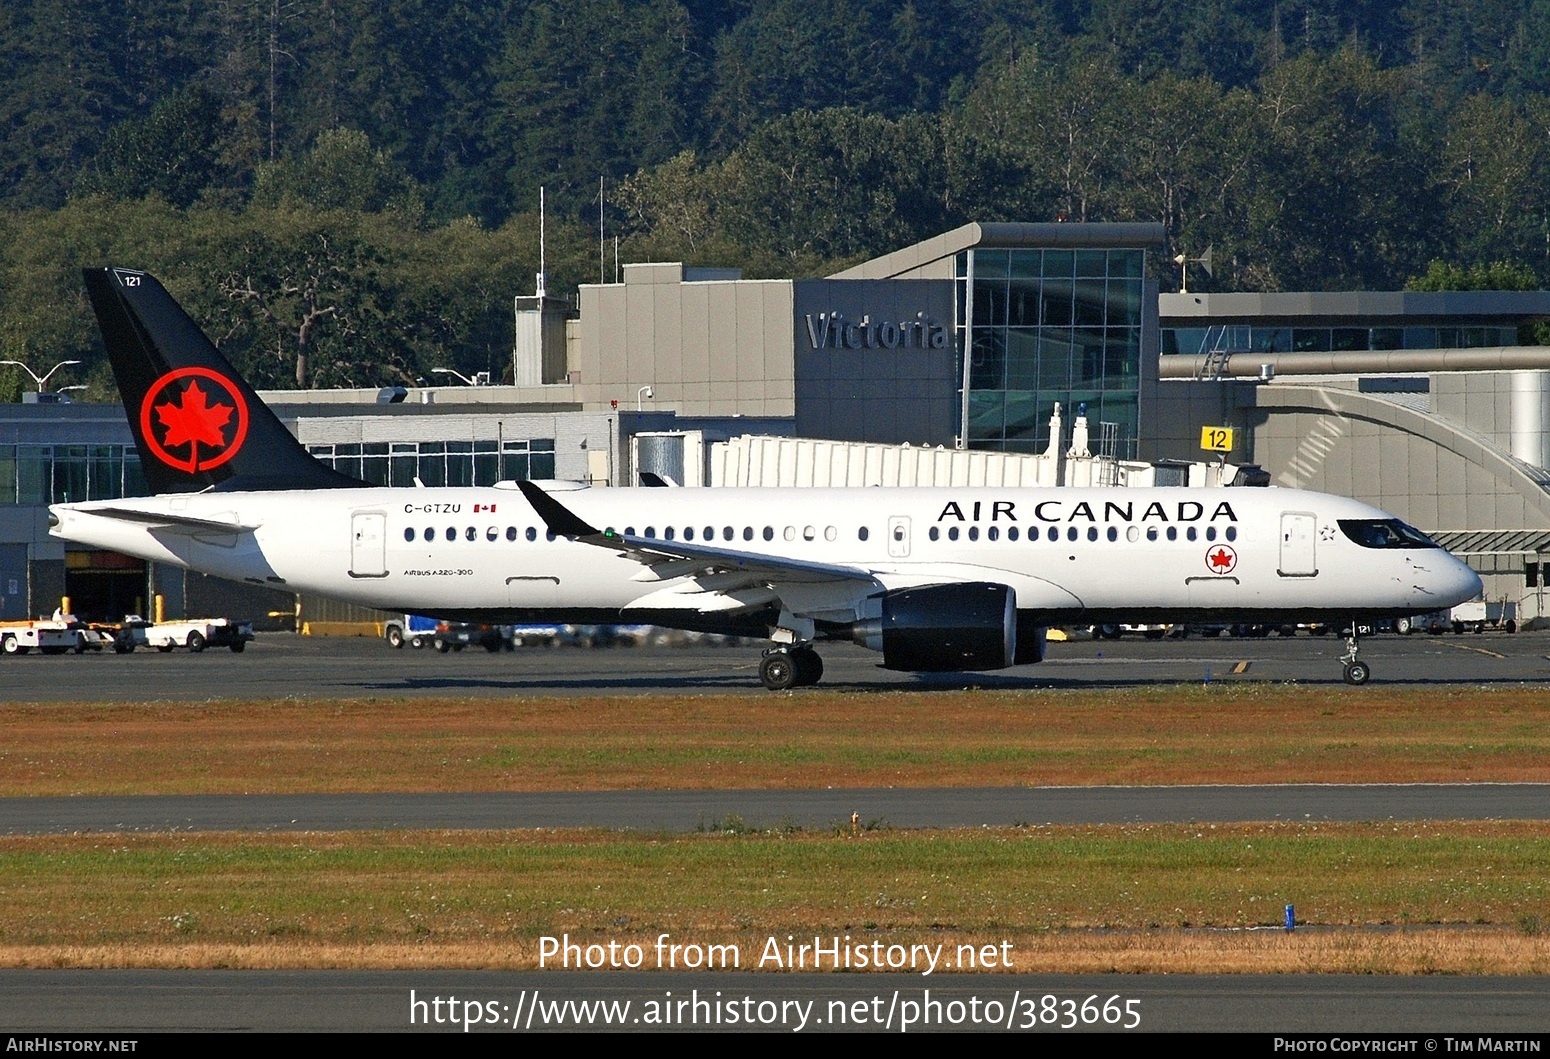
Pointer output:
809, 666
196, 642
778, 671
1357, 672
395, 636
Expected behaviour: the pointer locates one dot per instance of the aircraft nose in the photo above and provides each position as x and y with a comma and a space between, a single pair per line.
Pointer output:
1466, 584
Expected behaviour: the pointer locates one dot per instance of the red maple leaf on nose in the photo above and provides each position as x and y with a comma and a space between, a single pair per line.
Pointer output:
194, 419
1221, 559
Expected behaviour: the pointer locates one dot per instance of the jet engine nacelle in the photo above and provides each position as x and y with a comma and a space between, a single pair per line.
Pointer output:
944, 628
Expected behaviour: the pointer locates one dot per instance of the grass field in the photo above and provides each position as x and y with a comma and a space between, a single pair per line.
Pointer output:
1455, 897
1240, 733
1413, 897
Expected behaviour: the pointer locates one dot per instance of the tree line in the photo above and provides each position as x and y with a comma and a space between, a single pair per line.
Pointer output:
345, 191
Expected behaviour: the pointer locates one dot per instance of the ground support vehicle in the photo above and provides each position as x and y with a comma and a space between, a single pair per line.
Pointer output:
456, 635
416, 630
195, 634
1480, 614
51, 637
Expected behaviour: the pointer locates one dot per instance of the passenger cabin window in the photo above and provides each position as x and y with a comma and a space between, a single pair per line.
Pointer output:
1384, 533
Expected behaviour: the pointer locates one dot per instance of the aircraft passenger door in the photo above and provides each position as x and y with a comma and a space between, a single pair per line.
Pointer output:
1299, 535
899, 537
368, 544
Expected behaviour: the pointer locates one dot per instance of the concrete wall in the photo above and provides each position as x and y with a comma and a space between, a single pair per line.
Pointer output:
704, 347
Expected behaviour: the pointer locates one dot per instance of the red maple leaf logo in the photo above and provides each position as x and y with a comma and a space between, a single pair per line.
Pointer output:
1221, 560
194, 420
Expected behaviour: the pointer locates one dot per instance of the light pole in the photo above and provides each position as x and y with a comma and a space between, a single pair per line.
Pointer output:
481, 378
43, 380
451, 371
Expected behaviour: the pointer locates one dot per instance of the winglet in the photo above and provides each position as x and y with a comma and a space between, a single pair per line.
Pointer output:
559, 518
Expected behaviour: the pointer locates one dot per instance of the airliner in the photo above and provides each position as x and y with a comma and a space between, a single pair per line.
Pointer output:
935, 579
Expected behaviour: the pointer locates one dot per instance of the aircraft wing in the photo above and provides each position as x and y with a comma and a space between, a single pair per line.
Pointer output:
167, 519
736, 579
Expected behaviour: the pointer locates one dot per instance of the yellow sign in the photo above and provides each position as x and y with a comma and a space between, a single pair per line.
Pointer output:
1216, 439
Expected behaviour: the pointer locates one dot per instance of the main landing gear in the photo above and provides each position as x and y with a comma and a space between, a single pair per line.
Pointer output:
1356, 672
784, 668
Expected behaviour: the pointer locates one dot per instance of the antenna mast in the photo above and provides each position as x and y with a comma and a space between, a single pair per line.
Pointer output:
543, 280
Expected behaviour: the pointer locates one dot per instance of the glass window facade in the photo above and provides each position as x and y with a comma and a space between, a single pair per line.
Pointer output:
65, 474
1270, 338
1050, 326
442, 463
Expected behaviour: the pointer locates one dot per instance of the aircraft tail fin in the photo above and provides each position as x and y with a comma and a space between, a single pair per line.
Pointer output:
197, 424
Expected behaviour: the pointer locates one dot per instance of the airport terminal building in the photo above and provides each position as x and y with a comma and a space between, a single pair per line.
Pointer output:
1433, 406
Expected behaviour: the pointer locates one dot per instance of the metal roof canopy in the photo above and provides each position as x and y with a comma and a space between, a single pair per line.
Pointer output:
1494, 542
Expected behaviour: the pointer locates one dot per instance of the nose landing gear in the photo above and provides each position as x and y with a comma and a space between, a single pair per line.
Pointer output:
1356, 671
784, 668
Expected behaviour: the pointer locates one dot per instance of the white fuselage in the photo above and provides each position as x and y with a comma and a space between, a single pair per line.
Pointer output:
1071, 554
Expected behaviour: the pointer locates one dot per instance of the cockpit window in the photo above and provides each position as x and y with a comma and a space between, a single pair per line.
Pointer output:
1384, 533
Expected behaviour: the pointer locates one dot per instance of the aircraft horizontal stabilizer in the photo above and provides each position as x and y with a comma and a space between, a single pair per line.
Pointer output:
167, 519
